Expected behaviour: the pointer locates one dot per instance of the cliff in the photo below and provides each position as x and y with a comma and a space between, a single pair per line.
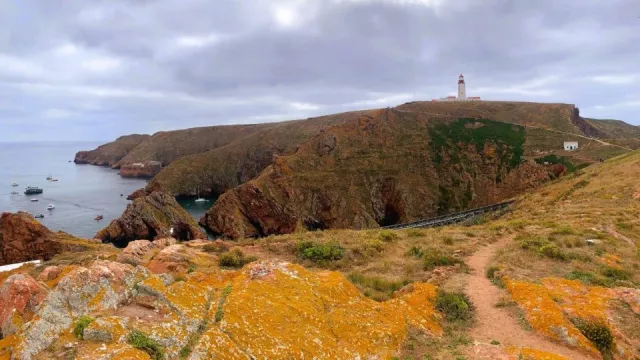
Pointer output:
109, 154
22, 238
382, 168
149, 217
168, 146
147, 169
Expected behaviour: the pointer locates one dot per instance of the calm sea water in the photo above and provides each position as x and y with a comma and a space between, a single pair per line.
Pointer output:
81, 192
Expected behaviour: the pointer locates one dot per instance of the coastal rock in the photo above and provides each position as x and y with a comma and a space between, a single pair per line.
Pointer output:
49, 273
151, 217
105, 285
177, 259
109, 154
137, 194
139, 251
20, 296
147, 169
22, 238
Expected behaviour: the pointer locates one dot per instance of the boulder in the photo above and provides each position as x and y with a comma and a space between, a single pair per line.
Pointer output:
138, 251
20, 295
22, 238
154, 216
49, 273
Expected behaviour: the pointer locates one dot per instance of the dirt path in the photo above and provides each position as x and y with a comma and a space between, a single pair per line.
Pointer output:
495, 323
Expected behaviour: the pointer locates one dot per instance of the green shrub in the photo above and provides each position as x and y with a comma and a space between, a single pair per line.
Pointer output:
436, 258
616, 274
141, 341
216, 247
235, 259
415, 252
320, 251
376, 284
597, 332
587, 278
552, 251
454, 306
542, 246
563, 230
373, 246
387, 236
82, 324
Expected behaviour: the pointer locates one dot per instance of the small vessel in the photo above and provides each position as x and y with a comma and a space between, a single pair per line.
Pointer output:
34, 200
99, 217
201, 200
49, 177
38, 216
54, 179
50, 207
14, 184
14, 193
30, 190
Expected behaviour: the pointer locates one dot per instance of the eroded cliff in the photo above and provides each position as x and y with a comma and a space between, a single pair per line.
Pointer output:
109, 154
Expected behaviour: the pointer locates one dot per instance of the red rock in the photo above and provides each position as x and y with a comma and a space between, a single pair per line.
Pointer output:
49, 273
20, 296
146, 169
137, 194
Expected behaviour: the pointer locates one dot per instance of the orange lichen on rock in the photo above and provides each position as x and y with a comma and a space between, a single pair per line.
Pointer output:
533, 354
545, 316
579, 300
6, 345
273, 305
611, 261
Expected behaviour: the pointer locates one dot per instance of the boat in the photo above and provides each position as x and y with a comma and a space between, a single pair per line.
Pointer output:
199, 199
99, 217
14, 193
51, 207
34, 200
14, 184
54, 179
30, 190
49, 177
39, 216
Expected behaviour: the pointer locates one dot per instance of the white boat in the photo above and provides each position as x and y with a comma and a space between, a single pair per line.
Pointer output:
201, 200
51, 207
39, 216
34, 200
14, 184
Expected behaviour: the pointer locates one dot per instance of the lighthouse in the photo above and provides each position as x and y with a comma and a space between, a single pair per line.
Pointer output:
462, 90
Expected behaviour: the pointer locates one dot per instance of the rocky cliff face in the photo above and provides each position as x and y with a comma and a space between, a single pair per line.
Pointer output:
147, 169
22, 238
150, 217
385, 167
109, 154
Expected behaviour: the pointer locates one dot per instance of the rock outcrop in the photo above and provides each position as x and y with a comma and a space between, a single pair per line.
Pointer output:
151, 217
147, 169
22, 238
138, 251
241, 315
383, 168
109, 154
20, 296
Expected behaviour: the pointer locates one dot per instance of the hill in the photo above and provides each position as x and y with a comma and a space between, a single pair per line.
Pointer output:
554, 278
398, 165
168, 146
109, 154
618, 132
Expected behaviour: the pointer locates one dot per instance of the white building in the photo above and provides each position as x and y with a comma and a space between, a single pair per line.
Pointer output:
570, 145
462, 93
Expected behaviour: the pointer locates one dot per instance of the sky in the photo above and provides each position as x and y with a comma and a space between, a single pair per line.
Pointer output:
94, 70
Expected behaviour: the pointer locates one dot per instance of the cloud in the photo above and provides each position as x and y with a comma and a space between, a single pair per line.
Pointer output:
123, 66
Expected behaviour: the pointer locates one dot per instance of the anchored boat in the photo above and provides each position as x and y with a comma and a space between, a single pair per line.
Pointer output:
30, 190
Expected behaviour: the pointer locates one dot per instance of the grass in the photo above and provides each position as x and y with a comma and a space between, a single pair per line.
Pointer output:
387, 236
435, 258
542, 246
598, 333
491, 271
588, 278
141, 341
235, 259
82, 324
220, 308
375, 287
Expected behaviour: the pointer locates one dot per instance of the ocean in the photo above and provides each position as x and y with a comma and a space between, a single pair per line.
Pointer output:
81, 193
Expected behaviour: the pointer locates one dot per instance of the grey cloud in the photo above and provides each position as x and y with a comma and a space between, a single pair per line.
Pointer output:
236, 64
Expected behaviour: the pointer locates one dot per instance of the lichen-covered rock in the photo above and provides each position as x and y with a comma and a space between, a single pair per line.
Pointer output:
49, 273
104, 286
22, 238
20, 295
177, 259
135, 252
152, 217
107, 329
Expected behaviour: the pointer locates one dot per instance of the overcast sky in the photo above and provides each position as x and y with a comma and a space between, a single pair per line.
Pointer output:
94, 70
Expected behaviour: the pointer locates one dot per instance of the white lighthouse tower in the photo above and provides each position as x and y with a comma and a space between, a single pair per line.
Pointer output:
462, 89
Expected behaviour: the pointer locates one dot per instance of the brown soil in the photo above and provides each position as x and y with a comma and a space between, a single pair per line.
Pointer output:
494, 323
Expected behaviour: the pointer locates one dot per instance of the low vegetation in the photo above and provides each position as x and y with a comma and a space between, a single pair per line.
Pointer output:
455, 306
223, 298
82, 324
320, 252
435, 258
235, 259
377, 288
141, 341
598, 333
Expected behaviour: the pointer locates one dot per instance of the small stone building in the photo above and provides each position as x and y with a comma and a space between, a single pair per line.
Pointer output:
571, 145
